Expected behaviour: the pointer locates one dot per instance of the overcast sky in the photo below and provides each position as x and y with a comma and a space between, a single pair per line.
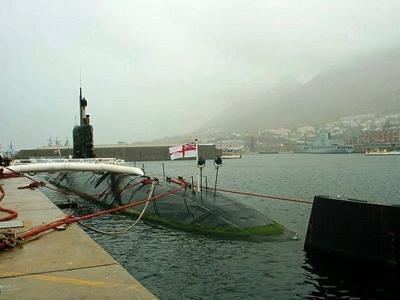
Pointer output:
159, 68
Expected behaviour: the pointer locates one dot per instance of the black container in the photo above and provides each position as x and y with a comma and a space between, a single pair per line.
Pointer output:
355, 229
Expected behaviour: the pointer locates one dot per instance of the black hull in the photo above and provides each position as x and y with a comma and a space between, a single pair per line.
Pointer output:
195, 212
354, 229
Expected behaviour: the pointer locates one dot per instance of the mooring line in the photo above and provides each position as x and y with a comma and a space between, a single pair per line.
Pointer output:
265, 196
125, 230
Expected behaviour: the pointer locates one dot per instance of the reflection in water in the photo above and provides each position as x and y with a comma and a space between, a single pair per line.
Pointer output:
337, 278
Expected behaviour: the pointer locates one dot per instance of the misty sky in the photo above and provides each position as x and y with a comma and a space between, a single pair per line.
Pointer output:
159, 68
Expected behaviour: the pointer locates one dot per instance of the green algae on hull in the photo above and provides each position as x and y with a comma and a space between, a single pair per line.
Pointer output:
232, 226
273, 229
270, 230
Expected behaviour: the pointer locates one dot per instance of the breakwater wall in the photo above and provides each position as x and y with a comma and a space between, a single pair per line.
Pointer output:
125, 152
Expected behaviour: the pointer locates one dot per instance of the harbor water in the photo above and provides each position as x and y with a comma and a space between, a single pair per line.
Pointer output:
180, 265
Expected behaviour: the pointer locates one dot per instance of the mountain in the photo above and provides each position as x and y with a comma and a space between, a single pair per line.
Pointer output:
370, 84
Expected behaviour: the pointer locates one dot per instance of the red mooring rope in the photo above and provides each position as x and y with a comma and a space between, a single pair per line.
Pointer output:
11, 213
72, 219
266, 196
181, 181
32, 233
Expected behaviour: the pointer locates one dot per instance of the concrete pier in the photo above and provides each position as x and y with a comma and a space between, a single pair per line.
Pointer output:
60, 265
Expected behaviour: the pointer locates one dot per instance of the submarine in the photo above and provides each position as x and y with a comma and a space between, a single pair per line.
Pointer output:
180, 205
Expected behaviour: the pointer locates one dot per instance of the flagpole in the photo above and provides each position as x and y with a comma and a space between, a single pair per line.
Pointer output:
196, 141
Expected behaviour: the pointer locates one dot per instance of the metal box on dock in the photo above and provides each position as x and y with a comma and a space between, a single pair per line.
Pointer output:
356, 229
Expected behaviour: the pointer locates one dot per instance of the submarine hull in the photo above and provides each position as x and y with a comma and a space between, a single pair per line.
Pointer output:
184, 210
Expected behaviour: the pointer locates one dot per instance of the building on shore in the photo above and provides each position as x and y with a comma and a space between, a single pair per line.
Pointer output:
385, 138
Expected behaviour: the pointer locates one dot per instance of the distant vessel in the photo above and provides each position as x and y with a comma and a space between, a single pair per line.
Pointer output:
231, 153
268, 152
9, 152
385, 152
323, 144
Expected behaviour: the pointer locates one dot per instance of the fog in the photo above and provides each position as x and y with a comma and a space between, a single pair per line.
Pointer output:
151, 69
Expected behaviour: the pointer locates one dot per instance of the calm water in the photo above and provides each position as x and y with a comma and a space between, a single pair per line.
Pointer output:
179, 265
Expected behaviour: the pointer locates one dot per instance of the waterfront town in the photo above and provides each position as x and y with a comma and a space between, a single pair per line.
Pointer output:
362, 132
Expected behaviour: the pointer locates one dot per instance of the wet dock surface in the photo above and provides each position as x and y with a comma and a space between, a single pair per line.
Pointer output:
64, 264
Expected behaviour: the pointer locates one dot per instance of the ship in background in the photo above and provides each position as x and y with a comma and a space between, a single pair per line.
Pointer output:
323, 144
231, 148
378, 152
10, 152
231, 153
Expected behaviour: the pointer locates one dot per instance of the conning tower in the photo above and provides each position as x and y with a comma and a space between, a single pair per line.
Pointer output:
83, 133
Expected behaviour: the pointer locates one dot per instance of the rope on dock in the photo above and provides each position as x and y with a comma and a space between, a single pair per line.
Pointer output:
73, 219
12, 214
11, 239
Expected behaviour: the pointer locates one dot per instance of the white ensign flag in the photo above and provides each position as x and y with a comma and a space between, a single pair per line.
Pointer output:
186, 150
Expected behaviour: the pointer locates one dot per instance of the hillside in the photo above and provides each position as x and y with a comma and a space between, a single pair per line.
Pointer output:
366, 85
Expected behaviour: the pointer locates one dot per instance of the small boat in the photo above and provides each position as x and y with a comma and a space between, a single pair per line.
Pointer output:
382, 152
230, 153
268, 152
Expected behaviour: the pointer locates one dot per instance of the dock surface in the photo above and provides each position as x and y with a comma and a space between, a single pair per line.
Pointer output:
62, 264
